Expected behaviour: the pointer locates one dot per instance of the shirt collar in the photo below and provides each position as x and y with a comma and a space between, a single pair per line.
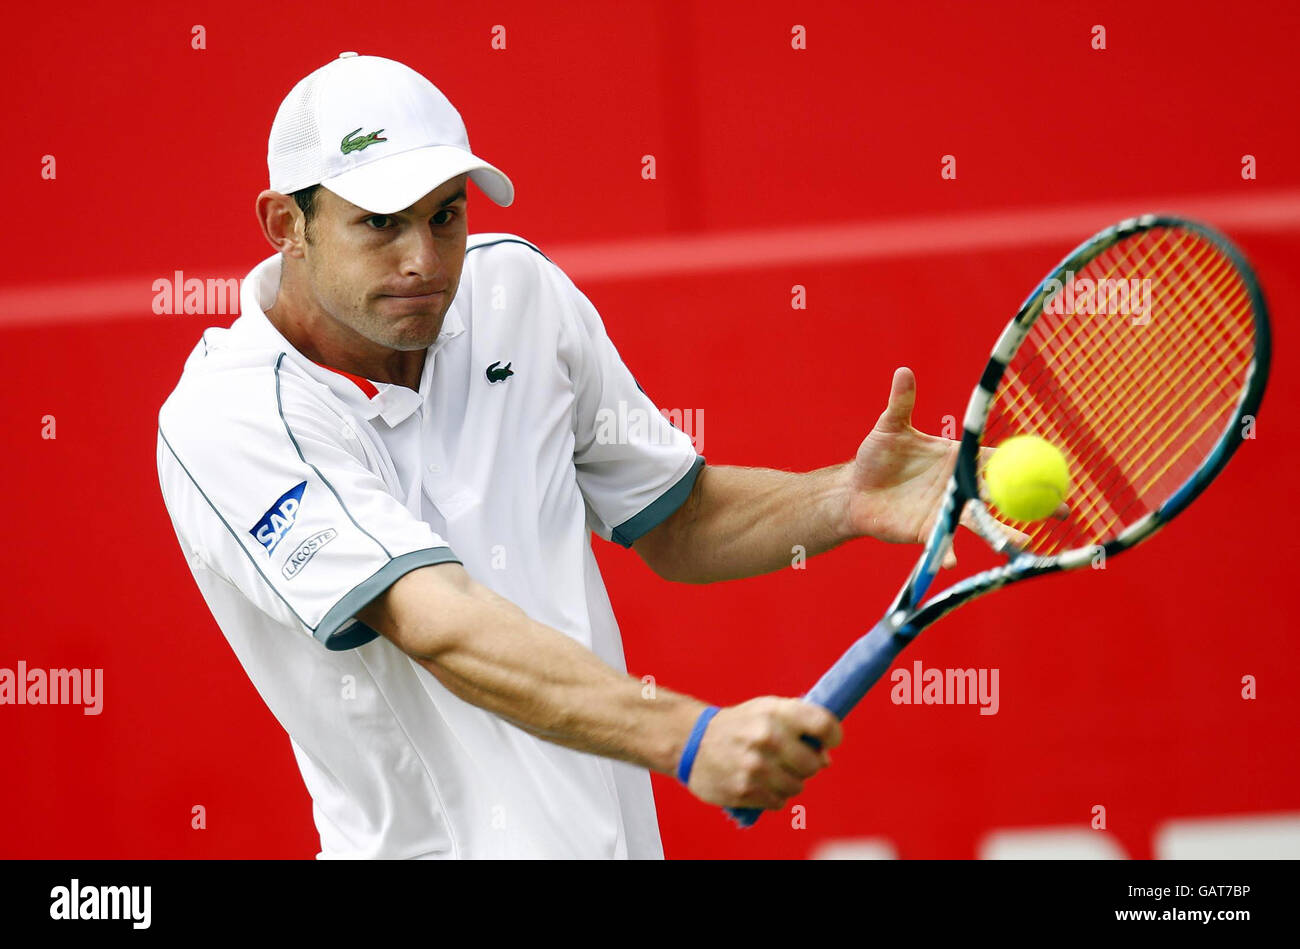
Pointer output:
393, 403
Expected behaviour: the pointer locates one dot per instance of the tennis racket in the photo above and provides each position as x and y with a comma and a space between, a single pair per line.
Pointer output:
1143, 357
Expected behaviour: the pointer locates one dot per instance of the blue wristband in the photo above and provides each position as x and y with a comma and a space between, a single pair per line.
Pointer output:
693, 744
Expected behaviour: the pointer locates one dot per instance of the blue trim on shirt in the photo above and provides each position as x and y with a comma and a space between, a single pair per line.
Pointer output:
658, 510
328, 632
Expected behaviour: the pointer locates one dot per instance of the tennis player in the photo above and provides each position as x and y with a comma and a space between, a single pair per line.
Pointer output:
385, 475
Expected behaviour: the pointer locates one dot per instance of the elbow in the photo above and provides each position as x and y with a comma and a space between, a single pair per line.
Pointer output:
675, 571
662, 562
662, 548
671, 547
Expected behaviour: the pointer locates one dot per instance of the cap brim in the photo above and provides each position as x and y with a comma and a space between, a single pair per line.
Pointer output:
396, 182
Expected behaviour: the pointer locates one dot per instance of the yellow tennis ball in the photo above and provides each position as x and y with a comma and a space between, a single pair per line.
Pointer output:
1027, 478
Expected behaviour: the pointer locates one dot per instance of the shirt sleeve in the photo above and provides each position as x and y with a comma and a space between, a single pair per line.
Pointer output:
271, 489
634, 467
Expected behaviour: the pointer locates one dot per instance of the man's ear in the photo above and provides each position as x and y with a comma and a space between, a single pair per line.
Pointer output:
282, 223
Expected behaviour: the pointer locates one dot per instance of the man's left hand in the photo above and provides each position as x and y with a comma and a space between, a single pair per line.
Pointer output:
898, 479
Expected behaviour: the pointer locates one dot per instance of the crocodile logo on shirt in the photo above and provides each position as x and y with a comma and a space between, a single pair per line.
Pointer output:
351, 144
498, 373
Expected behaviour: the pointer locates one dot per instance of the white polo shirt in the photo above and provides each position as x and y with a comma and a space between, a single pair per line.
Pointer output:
299, 494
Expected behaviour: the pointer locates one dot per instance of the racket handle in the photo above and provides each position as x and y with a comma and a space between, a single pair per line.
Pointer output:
862, 666
844, 685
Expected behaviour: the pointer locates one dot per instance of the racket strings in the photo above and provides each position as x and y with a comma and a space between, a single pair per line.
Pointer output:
1124, 377
1136, 368
1166, 410
1215, 389
1108, 488
1198, 381
1134, 404
1201, 332
1096, 498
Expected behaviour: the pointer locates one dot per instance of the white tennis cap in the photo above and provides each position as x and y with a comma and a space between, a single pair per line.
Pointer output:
377, 134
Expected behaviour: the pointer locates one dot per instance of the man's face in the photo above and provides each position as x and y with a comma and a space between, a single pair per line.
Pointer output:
388, 277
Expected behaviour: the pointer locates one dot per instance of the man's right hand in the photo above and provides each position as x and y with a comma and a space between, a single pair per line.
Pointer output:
753, 754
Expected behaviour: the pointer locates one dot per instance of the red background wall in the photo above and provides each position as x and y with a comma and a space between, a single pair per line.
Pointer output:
1119, 688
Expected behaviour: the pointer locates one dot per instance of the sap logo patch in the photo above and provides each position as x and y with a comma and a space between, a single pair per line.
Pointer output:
279, 520
306, 550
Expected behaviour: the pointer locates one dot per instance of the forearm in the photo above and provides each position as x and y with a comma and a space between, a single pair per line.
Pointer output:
487, 651
742, 522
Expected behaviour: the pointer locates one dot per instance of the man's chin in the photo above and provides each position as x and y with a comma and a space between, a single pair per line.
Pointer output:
416, 340
410, 332
405, 342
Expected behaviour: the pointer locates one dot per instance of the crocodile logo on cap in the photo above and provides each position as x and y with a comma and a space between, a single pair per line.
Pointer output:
351, 144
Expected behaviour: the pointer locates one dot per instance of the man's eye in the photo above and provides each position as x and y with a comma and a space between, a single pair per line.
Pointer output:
451, 211
379, 222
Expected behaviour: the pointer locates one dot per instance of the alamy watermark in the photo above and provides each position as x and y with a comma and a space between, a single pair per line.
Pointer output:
624, 425
78, 901
177, 294
921, 686
23, 686
1103, 297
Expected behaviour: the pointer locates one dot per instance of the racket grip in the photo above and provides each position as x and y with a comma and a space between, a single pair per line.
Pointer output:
844, 684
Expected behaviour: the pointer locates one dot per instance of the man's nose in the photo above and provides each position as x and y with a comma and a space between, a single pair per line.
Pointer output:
422, 256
